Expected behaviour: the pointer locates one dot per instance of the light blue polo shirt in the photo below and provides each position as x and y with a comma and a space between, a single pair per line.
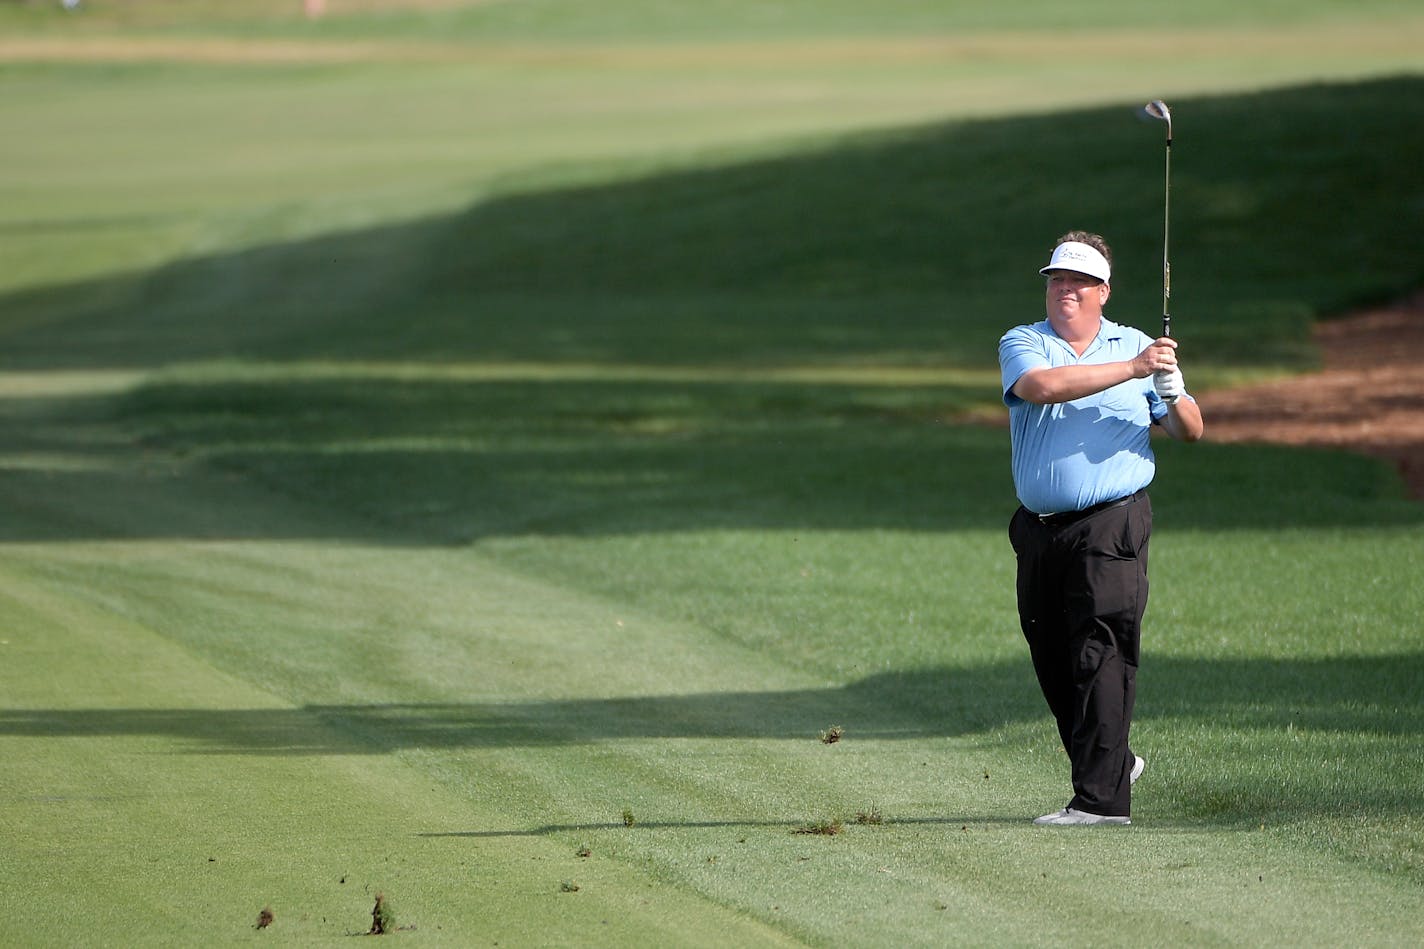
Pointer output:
1072, 455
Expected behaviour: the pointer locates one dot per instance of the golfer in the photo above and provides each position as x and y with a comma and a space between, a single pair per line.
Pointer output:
1082, 393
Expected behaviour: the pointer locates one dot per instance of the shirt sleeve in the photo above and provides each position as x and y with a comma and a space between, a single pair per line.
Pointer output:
1020, 350
1155, 405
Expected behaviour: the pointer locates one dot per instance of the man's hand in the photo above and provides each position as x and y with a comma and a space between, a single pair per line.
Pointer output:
1159, 356
1169, 385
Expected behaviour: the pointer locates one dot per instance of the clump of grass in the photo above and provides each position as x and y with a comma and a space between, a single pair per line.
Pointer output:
583, 852
383, 918
265, 918
628, 819
822, 828
871, 816
832, 735
568, 886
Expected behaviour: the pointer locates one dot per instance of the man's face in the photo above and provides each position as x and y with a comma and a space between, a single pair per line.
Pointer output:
1072, 294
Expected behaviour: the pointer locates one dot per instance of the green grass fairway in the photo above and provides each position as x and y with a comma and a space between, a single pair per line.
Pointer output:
474, 452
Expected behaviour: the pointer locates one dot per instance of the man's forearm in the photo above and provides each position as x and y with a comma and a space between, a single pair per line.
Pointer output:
1183, 420
1066, 383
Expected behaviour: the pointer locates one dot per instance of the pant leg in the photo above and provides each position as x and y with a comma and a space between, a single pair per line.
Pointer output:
1042, 618
1106, 597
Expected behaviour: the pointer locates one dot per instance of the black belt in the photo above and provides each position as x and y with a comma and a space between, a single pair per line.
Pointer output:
1069, 517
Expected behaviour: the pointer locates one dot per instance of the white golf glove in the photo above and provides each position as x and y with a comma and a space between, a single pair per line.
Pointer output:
1169, 385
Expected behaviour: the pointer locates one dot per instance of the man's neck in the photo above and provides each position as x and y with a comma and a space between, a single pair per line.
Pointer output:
1078, 332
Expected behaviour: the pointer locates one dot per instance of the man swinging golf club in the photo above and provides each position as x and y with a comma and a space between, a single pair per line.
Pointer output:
1082, 393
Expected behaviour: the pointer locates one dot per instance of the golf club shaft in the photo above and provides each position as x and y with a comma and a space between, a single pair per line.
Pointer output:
1157, 109
1166, 232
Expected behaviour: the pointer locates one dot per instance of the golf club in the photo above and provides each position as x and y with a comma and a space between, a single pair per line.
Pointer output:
1157, 109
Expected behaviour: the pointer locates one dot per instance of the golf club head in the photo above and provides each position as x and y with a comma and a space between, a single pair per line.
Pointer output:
1157, 109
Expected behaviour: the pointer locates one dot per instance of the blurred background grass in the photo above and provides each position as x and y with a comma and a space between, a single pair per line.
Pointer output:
716, 19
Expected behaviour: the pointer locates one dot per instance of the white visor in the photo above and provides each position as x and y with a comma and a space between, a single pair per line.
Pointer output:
1080, 258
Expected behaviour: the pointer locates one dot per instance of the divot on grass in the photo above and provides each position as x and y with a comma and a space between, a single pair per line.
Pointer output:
383, 918
821, 828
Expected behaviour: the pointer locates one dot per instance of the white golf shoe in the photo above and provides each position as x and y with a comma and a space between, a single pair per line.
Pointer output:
1071, 816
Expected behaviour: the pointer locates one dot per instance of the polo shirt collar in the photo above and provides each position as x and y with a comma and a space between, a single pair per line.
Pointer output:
1108, 331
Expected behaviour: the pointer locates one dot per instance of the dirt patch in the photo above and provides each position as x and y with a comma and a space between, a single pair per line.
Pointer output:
1368, 398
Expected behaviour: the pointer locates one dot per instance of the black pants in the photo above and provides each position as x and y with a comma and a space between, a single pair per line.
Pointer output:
1082, 591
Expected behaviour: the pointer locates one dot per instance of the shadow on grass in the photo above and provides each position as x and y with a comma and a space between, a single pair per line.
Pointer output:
790, 826
445, 464
1378, 696
448, 464
915, 244
780, 262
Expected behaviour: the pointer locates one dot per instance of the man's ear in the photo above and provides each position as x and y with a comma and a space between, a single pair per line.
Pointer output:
1105, 291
